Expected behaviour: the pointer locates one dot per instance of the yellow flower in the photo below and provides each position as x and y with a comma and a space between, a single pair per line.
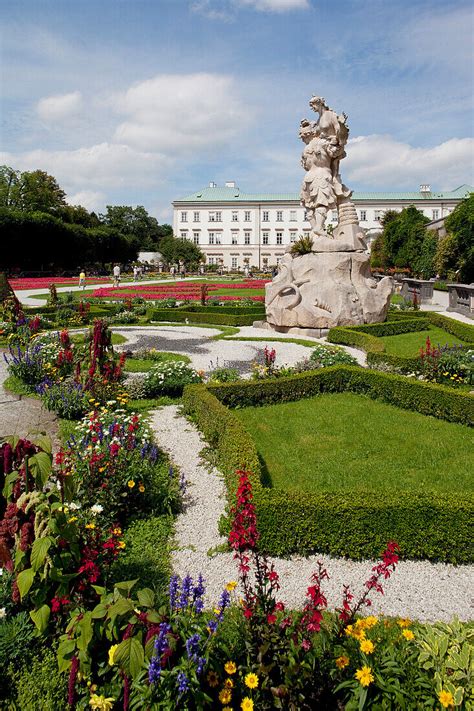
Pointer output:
117, 531
247, 704
111, 654
370, 621
446, 698
342, 662
131, 483
364, 676
141, 488
355, 631
212, 679
251, 680
408, 634
231, 585
102, 469
405, 622
100, 703
227, 708
229, 684
225, 696
367, 646
121, 545
72, 519
90, 525
230, 667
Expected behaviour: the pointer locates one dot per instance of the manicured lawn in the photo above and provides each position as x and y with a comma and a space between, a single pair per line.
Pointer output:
347, 441
409, 344
116, 338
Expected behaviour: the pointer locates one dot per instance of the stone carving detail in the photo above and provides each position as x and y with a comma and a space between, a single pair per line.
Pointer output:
332, 284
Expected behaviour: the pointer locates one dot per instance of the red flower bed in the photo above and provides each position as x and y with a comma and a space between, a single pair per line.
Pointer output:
44, 282
181, 291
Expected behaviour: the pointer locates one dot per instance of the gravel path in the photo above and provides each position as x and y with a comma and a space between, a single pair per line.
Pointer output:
206, 354
420, 590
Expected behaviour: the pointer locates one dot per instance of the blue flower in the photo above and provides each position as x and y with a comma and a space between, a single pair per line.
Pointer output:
183, 684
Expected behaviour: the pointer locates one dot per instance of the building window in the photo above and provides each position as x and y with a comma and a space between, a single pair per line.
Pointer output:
183, 234
234, 237
334, 216
435, 214
218, 238
378, 215
265, 216
215, 216
292, 236
247, 216
306, 233
210, 260
363, 215
292, 215
184, 217
196, 216
196, 237
218, 216
279, 236
246, 237
279, 216
235, 216
234, 262
211, 237
265, 262
265, 237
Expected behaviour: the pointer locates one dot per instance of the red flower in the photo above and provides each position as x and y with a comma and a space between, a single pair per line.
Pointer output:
271, 619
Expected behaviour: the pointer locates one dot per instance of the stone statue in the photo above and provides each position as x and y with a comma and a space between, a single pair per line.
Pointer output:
331, 285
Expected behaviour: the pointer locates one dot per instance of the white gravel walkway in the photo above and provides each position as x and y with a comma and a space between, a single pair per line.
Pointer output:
419, 590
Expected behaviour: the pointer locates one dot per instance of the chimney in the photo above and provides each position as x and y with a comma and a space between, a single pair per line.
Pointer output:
230, 184
212, 184
425, 189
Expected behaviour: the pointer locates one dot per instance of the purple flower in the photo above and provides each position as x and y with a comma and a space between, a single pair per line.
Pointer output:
201, 663
173, 591
185, 592
192, 646
161, 645
183, 684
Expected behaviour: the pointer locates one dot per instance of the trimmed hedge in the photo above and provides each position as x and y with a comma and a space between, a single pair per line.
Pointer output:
366, 335
426, 525
223, 319
232, 310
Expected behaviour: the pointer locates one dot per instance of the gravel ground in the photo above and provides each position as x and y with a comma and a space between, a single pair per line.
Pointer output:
206, 354
419, 590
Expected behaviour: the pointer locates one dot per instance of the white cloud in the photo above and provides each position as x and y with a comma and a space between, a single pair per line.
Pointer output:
105, 165
382, 161
181, 113
90, 199
54, 108
275, 5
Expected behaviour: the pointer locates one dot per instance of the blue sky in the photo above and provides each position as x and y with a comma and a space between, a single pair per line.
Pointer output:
144, 101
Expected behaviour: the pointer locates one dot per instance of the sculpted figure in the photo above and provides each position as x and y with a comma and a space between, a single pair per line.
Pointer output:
324, 140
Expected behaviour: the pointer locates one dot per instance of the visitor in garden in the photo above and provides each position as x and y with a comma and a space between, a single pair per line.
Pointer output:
82, 279
135, 273
116, 274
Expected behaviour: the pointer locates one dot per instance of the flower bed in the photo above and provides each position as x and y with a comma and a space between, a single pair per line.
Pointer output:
44, 282
182, 291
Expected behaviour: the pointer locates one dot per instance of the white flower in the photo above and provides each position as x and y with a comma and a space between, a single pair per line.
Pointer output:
3, 612
96, 509
74, 507
1, 572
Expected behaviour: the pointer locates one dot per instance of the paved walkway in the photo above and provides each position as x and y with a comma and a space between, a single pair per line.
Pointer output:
23, 416
418, 589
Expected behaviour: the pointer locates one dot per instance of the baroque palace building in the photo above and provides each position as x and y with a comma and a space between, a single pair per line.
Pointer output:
236, 229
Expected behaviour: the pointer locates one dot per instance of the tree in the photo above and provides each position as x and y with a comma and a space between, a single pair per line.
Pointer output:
134, 223
40, 192
455, 252
423, 264
78, 215
9, 187
403, 236
174, 250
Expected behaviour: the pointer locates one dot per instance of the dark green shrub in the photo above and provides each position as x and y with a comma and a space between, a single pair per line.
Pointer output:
38, 685
206, 317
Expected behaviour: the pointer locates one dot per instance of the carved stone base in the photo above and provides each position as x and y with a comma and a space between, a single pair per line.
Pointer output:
310, 332
325, 289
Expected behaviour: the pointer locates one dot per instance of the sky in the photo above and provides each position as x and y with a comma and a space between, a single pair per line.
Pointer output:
140, 102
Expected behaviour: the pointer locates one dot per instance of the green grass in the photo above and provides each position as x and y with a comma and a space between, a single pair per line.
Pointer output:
345, 441
18, 387
143, 365
66, 429
409, 344
117, 338
144, 405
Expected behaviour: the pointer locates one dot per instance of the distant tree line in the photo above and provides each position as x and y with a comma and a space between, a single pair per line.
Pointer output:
406, 243
41, 232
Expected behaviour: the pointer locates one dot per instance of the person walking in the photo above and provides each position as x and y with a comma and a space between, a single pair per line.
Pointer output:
82, 279
116, 272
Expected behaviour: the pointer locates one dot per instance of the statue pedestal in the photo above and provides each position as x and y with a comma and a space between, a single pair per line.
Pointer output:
323, 289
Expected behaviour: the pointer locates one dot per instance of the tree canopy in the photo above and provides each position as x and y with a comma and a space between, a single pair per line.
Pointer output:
455, 255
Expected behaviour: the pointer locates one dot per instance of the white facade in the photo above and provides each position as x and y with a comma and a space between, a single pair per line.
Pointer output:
235, 229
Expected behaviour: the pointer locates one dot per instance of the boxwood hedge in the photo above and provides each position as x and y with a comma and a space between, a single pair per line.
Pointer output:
426, 525
206, 316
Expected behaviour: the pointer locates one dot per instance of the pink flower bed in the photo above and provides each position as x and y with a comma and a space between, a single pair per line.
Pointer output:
44, 282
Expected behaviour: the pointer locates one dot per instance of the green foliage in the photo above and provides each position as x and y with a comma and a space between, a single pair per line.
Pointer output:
174, 249
38, 684
16, 637
303, 245
325, 356
423, 263
426, 526
456, 250
403, 237
67, 399
224, 375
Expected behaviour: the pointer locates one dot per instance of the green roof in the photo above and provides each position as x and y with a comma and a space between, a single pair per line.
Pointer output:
235, 195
